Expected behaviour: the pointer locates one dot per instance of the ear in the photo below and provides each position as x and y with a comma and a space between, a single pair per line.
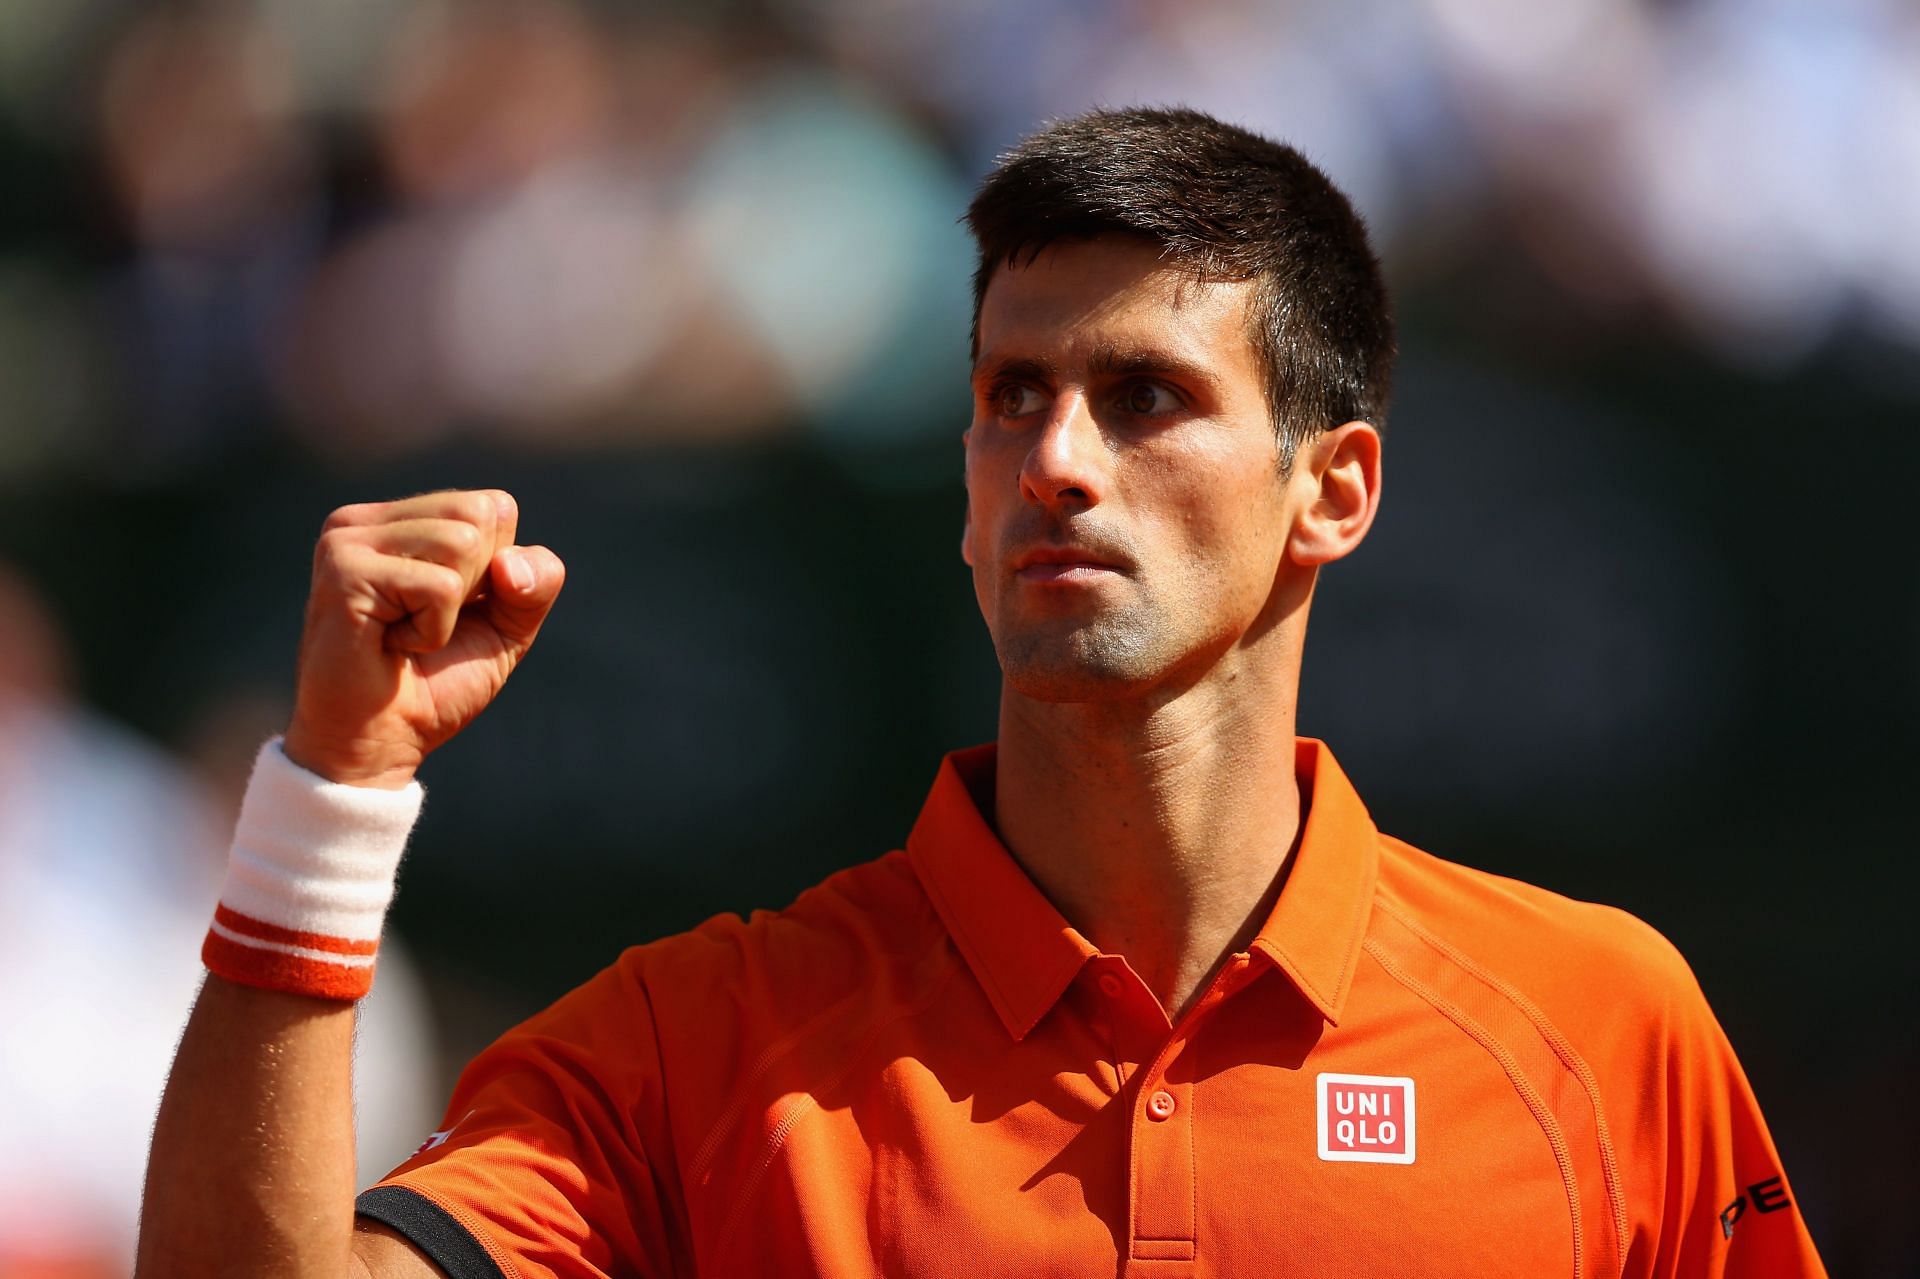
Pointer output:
1340, 475
966, 518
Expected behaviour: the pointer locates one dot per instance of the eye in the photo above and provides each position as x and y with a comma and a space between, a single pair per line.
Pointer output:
1148, 399
1015, 399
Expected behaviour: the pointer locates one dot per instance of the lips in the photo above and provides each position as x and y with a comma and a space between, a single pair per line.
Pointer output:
1061, 555
1064, 563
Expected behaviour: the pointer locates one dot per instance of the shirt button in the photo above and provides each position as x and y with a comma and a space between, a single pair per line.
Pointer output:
1160, 1105
1109, 985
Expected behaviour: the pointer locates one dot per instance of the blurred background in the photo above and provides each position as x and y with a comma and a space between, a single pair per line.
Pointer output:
1639, 620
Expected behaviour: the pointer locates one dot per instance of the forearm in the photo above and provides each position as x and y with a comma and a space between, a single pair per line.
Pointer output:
251, 1170
419, 611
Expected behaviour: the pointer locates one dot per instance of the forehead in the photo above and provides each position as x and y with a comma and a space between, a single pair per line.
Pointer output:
1077, 298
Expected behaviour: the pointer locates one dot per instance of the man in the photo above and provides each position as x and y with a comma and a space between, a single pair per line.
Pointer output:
1144, 993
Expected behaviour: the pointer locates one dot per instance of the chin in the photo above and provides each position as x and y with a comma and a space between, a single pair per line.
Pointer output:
1086, 665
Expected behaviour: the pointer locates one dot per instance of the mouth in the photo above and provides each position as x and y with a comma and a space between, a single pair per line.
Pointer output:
1063, 564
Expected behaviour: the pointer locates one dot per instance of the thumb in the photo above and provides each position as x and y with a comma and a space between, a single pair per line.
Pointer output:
525, 581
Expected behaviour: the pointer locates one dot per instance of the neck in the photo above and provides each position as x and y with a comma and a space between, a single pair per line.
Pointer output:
1159, 829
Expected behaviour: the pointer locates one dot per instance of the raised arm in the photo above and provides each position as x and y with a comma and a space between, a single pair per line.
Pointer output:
420, 610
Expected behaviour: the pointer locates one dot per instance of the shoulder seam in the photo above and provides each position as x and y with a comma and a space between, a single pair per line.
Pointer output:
769, 1057
656, 1165
1571, 1059
1363, 906
806, 1101
1529, 1096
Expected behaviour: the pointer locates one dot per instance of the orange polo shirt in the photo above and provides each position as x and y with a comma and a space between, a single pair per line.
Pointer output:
920, 1069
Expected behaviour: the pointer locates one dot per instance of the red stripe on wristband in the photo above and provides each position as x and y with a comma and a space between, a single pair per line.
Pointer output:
262, 931
293, 967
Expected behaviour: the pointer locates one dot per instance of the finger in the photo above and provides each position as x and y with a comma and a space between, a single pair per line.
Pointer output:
506, 519
454, 543
482, 508
416, 601
493, 511
400, 527
526, 581
430, 599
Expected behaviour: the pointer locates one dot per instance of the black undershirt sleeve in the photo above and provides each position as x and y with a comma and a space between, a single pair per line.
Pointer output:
428, 1227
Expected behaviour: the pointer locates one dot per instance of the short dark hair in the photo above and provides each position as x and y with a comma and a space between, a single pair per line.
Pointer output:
1231, 205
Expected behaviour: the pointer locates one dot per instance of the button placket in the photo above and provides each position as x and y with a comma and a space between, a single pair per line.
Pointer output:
1163, 1173
1114, 1020
1164, 1193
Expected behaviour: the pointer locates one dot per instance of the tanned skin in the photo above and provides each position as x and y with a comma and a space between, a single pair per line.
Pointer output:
419, 611
1144, 563
1145, 777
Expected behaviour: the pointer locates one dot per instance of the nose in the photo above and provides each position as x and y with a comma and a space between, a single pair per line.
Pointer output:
1065, 467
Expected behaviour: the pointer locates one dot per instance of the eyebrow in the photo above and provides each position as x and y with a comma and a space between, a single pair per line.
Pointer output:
1013, 369
1116, 361
1106, 360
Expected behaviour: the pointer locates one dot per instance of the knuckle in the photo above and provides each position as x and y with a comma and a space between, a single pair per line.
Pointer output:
445, 587
477, 508
346, 517
463, 537
329, 551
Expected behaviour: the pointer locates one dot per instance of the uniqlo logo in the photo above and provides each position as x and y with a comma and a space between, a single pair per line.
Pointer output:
1366, 1119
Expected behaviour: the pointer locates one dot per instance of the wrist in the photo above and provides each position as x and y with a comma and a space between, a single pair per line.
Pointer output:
362, 762
309, 878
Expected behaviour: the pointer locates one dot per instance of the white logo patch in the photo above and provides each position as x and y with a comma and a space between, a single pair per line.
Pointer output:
436, 1139
1366, 1119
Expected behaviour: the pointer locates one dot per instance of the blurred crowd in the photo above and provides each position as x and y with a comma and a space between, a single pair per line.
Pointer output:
110, 851
377, 222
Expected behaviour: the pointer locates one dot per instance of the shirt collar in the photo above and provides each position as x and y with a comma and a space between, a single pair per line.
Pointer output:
1024, 953
1314, 932
1021, 950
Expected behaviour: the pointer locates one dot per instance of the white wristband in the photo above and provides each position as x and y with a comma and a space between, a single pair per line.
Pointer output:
308, 880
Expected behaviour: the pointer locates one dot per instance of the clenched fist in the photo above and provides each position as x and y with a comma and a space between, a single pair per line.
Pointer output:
420, 610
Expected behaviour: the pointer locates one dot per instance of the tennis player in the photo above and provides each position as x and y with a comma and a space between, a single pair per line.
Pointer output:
1144, 992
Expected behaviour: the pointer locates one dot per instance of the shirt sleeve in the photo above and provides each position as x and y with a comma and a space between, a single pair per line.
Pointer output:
1722, 1205
554, 1157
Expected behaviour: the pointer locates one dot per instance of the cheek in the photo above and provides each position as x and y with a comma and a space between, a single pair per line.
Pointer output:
1228, 538
990, 485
